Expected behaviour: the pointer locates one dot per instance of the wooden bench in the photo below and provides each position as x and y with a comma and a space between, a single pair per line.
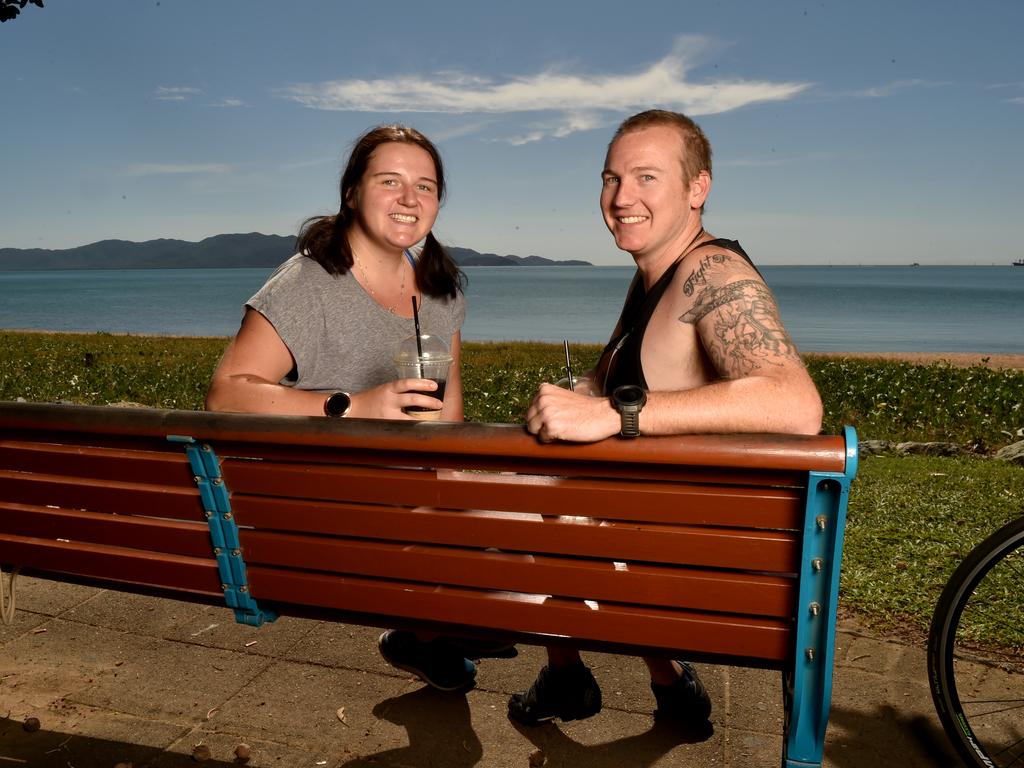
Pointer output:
718, 548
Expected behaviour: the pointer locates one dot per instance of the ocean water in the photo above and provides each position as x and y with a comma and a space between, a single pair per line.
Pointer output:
841, 308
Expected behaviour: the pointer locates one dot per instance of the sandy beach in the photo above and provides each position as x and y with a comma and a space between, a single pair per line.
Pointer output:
958, 359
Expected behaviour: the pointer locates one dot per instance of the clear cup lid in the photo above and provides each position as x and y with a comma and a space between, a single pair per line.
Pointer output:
430, 348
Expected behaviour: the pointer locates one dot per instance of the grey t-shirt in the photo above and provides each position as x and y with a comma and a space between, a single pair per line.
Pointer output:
339, 337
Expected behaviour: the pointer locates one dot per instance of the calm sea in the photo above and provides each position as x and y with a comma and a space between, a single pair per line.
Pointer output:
853, 309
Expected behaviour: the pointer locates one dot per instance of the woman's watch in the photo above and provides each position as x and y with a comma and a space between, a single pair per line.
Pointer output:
629, 400
338, 405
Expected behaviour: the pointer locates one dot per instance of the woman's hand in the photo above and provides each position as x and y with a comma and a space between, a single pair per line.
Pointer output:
386, 401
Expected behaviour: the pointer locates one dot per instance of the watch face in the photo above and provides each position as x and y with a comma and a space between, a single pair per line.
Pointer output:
629, 395
337, 405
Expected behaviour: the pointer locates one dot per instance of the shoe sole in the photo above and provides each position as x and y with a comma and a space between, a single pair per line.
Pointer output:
533, 722
419, 674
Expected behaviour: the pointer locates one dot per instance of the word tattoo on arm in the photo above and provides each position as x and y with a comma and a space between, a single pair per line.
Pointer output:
699, 275
747, 332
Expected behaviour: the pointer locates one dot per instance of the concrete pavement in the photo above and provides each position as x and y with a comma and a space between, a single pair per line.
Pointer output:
116, 678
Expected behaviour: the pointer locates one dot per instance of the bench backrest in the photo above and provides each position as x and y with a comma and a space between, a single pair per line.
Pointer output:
690, 543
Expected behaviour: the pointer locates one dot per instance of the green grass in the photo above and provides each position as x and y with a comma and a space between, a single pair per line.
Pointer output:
892, 400
99, 368
911, 521
885, 400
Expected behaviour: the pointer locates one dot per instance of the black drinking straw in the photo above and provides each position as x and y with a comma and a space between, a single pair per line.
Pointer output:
568, 368
419, 344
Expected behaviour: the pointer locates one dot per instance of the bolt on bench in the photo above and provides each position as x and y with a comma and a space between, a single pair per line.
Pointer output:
717, 548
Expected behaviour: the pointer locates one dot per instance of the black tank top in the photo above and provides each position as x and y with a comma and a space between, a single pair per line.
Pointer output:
620, 361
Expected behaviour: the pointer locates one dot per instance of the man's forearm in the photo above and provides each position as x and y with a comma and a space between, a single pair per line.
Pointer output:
751, 404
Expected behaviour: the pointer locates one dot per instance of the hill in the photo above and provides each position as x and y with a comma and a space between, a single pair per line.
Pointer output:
239, 250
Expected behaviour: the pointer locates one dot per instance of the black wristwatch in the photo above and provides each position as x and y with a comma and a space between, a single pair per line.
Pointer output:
338, 405
629, 400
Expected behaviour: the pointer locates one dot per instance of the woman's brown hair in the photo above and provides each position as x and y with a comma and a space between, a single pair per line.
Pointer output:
323, 238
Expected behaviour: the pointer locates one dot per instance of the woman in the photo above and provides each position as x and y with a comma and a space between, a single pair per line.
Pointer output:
331, 317
320, 336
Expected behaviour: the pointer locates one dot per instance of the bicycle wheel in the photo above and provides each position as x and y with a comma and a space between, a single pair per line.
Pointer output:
975, 662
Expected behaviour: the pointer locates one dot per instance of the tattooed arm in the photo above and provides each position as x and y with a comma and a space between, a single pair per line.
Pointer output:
755, 379
739, 326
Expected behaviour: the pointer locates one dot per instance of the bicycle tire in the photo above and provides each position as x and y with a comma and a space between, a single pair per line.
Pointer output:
987, 731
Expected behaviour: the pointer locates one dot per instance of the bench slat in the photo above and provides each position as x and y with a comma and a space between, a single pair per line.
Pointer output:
111, 496
823, 453
113, 564
761, 638
745, 549
367, 457
706, 590
160, 468
137, 532
622, 500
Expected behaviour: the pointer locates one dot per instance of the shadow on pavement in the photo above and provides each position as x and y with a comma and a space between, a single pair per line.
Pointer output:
637, 751
917, 740
441, 733
53, 749
439, 727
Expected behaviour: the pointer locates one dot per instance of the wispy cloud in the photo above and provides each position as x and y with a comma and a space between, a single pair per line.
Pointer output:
169, 169
558, 128
1017, 86
581, 101
897, 87
230, 101
175, 92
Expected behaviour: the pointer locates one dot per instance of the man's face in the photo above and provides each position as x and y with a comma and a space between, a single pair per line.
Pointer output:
646, 204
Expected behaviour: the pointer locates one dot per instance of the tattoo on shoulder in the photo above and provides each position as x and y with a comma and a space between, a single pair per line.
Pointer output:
699, 275
746, 332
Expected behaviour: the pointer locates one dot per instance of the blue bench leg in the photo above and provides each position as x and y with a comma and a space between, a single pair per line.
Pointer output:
807, 684
802, 747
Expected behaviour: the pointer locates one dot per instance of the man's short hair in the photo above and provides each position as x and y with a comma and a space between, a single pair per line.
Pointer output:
696, 147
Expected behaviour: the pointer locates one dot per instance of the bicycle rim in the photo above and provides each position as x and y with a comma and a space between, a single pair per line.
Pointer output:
975, 665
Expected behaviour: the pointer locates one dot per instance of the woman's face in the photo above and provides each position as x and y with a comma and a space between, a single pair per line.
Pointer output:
396, 201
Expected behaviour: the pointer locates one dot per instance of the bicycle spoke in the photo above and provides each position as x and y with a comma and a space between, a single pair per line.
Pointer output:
975, 647
991, 711
1018, 760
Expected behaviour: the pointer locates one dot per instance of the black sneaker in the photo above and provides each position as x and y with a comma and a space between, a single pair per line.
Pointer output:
435, 662
568, 693
474, 649
684, 701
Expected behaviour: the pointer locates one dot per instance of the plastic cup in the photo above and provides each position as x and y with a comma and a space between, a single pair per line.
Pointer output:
428, 359
580, 384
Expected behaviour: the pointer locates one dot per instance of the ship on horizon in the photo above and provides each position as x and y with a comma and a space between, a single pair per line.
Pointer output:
1019, 263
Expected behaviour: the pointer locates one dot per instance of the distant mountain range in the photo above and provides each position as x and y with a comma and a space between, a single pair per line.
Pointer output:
248, 250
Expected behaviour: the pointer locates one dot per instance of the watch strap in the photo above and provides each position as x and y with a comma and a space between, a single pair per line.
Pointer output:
630, 422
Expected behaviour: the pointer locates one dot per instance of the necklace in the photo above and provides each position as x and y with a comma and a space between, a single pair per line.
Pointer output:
693, 242
373, 294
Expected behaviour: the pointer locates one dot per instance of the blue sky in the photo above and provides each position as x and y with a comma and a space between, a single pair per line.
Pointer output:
868, 132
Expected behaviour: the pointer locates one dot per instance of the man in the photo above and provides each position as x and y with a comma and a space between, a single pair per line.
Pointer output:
699, 347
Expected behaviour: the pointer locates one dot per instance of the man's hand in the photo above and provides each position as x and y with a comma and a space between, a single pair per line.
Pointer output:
558, 414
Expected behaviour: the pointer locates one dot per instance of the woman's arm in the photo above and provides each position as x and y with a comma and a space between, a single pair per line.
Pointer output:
247, 380
453, 410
